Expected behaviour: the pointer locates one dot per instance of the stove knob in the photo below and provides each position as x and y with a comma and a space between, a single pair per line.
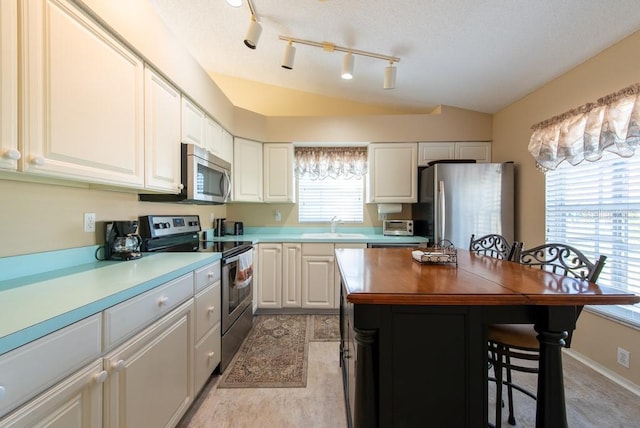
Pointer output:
167, 225
157, 225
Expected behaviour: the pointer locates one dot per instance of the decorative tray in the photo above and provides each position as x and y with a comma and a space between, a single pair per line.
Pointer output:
444, 252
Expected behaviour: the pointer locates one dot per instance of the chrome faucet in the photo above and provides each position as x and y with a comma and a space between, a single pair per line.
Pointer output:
334, 220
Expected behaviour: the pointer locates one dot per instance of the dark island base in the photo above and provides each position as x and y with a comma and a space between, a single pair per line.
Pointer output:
408, 366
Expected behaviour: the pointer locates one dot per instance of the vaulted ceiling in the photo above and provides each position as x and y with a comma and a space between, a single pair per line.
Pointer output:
477, 55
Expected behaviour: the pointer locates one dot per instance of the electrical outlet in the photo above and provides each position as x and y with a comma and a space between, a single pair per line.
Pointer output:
623, 357
89, 222
277, 215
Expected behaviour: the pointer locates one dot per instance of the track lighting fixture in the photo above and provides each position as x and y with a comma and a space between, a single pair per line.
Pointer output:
347, 66
389, 76
347, 62
289, 56
254, 31
234, 3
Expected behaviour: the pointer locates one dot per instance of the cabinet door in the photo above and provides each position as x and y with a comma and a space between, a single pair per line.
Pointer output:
193, 123
227, 146
279, 182
428, 152
150, 382
247, 171
270, 276
9, 153
76, 402
318, 276
291, 275
83, 98
479, 151
393, 172
162, 134
213, 136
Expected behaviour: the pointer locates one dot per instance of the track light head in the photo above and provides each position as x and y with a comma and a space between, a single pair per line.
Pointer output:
289, 56
234, 3
389, 76
253, 34
347, 66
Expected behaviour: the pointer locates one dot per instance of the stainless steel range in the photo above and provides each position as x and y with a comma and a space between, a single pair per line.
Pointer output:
180, 234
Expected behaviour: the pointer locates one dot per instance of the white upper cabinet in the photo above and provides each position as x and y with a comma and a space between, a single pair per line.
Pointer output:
213, 136
247, 170
83, 100
279, 182
479, 151
193, 123
392, 174
162, 134
9, 153
227, 146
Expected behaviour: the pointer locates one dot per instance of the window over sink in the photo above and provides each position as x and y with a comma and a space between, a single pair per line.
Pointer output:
330, 183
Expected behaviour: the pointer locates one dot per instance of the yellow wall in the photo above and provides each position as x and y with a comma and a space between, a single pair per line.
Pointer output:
611, 70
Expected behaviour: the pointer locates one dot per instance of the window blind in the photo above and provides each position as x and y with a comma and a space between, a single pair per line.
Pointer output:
321, 200
595, 207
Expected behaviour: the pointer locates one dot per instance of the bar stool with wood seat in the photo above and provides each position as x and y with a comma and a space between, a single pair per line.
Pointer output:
519, 342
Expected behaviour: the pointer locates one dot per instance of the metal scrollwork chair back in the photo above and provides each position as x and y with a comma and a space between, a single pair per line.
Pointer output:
519, 342
493, 245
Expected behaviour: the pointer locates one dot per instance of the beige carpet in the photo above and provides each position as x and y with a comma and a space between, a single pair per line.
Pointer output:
274, 355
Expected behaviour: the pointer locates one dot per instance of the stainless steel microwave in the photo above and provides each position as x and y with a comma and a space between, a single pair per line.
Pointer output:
206, 179
397, 227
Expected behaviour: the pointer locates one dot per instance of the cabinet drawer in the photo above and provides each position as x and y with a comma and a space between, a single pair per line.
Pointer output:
207, 275
207, 309
126, 318
207, 356
317, 249
28, 370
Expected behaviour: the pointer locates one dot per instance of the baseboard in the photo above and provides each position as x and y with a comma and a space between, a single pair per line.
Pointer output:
609, 374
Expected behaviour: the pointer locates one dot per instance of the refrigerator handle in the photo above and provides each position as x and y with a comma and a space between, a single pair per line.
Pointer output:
442, 210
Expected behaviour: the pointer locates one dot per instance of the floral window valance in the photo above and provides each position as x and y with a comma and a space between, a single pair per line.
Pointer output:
322, 162
612, 124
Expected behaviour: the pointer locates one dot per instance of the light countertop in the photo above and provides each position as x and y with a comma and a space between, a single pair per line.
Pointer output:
29, 311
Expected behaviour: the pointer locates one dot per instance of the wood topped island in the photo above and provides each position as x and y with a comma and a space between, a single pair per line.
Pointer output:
414, 336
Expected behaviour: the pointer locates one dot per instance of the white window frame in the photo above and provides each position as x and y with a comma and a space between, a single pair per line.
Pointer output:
595, 207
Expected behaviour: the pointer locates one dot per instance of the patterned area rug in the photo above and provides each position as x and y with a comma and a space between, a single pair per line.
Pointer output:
274, 355
326, 328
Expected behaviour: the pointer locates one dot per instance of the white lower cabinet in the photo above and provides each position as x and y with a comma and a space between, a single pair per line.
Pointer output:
270, 276
279, 275
318, 276
75, 402
150, 382
291, 275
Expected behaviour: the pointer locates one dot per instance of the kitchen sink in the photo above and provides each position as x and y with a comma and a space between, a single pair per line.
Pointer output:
333, 235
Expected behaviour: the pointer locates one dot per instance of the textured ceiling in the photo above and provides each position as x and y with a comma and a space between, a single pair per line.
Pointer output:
475, 54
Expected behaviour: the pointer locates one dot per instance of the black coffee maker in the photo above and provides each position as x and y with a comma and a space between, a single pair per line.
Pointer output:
122, 241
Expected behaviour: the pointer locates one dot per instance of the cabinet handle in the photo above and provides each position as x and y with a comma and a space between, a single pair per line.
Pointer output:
12, 154
211, 354
118, 365
37, 160
3, 391
163, 301
100, 377
211, 308
210, 274
180, 186
345, 355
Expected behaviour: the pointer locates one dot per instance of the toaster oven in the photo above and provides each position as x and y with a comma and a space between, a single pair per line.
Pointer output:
397, 227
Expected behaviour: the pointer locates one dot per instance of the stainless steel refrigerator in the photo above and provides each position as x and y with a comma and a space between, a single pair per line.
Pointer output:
456, 200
